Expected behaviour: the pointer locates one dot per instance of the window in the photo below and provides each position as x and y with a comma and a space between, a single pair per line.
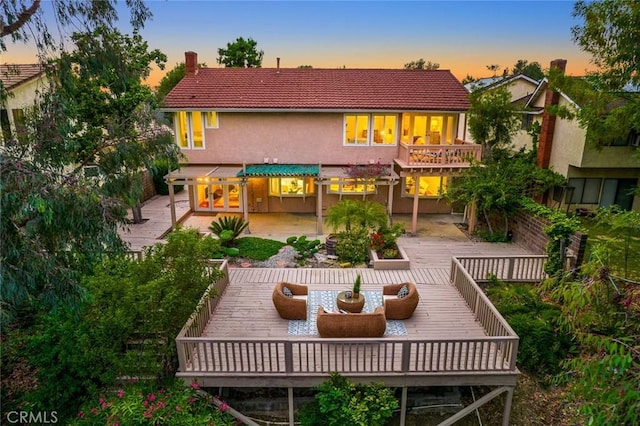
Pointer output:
189, 129
527, 121
370, 129
211, 119
430, 186
350, 186
426, 129
585, 190
291, 187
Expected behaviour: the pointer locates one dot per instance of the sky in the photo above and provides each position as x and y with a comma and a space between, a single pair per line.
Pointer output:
462, 36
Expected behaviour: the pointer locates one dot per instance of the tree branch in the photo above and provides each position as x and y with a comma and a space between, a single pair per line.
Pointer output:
23, 17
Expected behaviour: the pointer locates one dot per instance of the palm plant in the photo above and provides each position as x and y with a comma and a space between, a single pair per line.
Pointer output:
352, 212
228, 228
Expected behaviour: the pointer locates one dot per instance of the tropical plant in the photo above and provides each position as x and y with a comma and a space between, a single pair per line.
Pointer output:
339, 402
350, 213
357, 284
228, 228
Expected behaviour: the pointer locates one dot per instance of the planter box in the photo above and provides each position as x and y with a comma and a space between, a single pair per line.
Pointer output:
403, 263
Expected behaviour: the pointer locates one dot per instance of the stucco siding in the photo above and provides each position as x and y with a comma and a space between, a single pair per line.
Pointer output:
520, 88
568, 144
304, 138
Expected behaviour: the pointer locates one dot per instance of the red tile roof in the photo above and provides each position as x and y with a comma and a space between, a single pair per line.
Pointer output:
319, 89
13, 75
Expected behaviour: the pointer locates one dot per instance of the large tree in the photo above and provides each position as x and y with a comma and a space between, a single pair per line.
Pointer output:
241, 54
493, 119
66, 179
421, 64
608, 98
530, 69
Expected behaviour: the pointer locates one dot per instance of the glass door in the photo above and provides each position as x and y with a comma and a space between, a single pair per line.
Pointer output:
218, 197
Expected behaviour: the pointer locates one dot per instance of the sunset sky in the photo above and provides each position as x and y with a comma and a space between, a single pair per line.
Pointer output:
463, 36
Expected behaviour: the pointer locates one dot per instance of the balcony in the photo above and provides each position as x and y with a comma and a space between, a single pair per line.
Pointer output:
457, 156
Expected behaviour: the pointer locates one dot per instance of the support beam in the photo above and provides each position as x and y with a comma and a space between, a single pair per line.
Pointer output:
245, 204
416, 198
506, 414
319, 219
291, 410
403, 406
479, 403
390, 200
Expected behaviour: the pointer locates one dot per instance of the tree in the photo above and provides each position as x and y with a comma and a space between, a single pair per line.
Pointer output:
420, 64
533, 69
241, 54
608, 99
493, 119
493, 68
66, 179
468, 79
27, 22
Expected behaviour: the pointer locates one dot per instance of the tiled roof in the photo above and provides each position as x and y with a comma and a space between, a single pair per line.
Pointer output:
13, 75
319, 89
280, 170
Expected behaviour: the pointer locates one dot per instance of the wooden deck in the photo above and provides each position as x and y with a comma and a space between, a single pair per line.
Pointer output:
455, 337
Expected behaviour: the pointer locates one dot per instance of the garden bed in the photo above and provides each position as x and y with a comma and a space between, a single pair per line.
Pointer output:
402, 262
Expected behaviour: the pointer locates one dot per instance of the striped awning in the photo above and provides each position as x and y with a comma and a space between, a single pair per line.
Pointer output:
278, 170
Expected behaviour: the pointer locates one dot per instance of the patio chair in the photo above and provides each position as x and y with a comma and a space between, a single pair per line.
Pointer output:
292, 307
400, 308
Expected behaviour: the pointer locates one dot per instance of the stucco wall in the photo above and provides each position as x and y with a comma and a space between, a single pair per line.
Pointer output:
568, 143
302, 138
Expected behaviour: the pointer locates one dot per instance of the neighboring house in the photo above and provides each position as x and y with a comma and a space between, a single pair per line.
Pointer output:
282, 139
22, 83
597, 177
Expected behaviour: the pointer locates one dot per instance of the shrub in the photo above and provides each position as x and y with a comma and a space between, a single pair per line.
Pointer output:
350, 213
352, 246
306, 248
386, 238
228, 228
142, 404
341, 402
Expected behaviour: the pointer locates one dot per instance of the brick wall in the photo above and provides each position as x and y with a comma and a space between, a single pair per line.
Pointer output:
148, 189
528, 233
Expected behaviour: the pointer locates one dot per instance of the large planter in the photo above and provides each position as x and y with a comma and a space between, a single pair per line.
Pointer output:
401, 263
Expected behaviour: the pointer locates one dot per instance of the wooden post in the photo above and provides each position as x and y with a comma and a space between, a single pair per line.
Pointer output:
506, 414
319, 219
403, 406
291, 407
390, 199
172, 203
416, 198
473, 217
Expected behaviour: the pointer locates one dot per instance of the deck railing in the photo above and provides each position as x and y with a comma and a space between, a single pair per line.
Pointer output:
320, 356
439, 155
524, 268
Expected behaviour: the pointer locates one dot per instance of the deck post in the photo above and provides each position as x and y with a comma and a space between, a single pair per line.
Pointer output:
245, 203
291, 410
403, 406
506, 415
416, 198
319, 206
172, 203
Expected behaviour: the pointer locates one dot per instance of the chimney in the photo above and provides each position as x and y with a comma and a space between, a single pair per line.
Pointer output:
278, 64
191, 62
545, 144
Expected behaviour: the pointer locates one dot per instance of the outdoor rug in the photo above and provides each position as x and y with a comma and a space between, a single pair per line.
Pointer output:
327, 299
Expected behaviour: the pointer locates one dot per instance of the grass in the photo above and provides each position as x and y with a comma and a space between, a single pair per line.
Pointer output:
257, 248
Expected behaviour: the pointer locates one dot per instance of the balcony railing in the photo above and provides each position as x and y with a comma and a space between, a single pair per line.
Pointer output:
457, 155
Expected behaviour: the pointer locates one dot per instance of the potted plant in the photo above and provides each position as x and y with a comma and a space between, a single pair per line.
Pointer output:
356, 287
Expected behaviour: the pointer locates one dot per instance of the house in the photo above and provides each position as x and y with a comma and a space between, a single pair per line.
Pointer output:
597, 177
300, 139
22, 83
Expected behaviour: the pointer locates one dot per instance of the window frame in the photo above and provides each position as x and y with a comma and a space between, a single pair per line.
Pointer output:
308, 182
341, 182
369, 131
190, 139
579, 185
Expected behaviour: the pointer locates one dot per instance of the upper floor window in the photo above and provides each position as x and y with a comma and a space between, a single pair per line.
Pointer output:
370, 129
527, 121
291, 187
211, 119
428, 129
190, 129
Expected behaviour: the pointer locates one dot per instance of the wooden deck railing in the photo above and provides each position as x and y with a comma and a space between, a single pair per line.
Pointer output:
320, 356
526, 268
439, 155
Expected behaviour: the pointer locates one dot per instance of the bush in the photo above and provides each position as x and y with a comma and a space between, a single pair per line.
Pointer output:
353, 246
228, 228
306, 248
542, 346
341, 402
143, 404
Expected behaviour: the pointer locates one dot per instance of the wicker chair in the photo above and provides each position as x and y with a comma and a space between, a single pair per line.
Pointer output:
290, 307
369, 324
400, 308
